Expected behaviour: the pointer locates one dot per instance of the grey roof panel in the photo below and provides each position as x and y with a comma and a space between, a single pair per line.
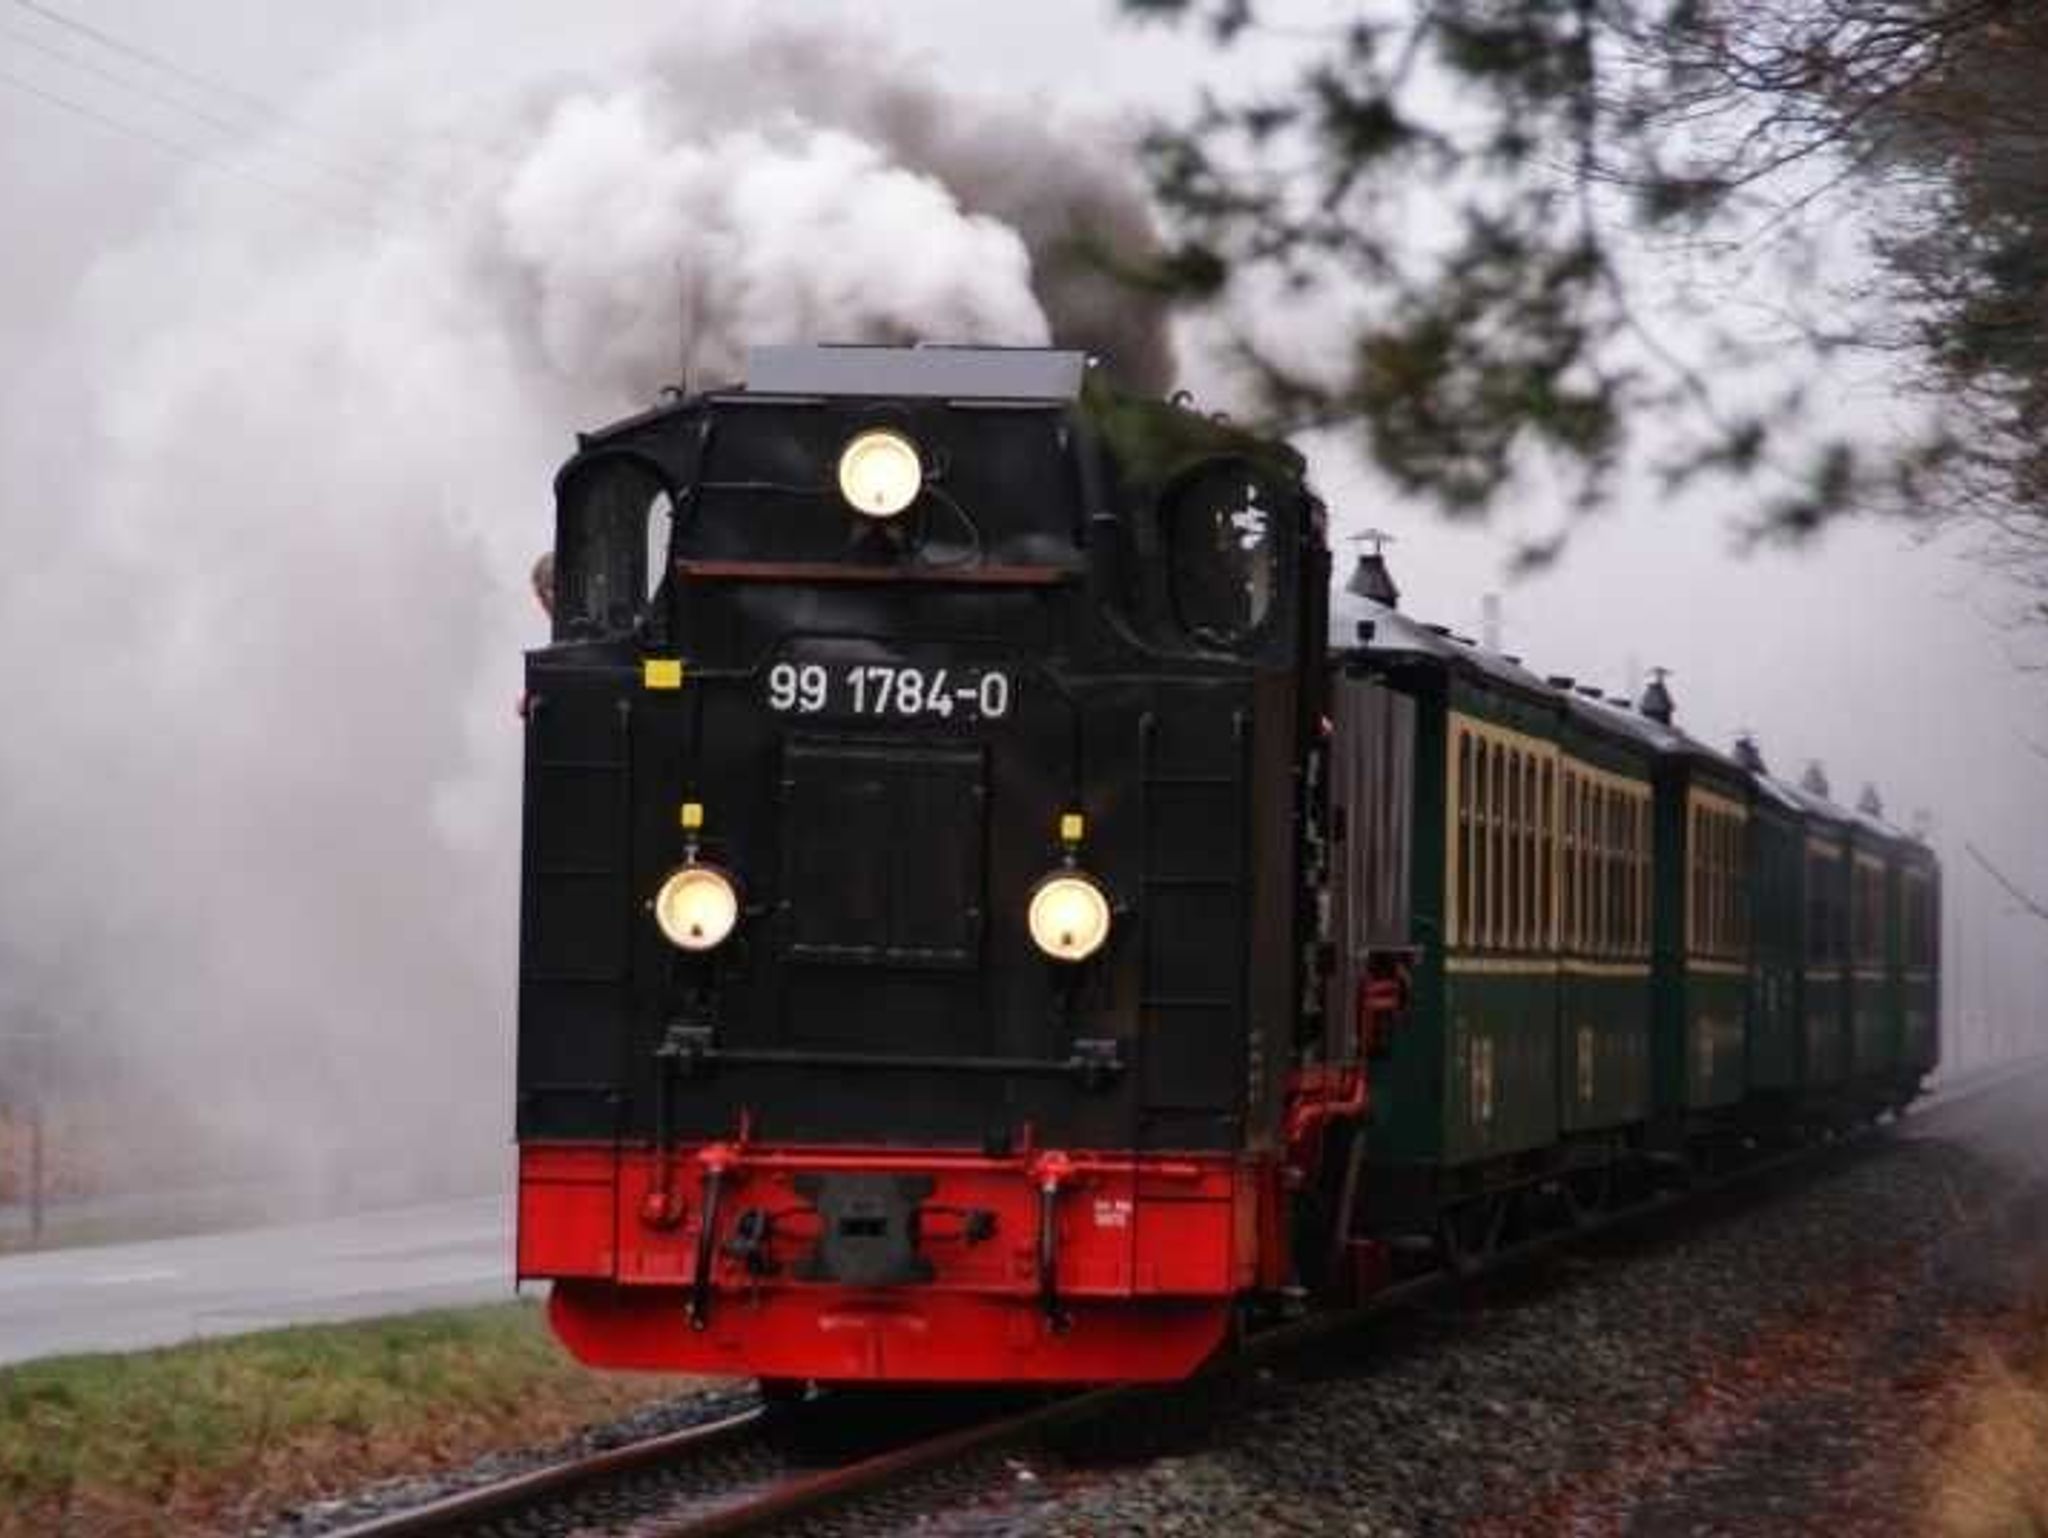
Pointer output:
949, 373
1776, 791
1817, 807
1394, 633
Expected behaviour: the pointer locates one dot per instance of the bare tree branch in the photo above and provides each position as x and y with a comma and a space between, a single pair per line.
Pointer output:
2031, 904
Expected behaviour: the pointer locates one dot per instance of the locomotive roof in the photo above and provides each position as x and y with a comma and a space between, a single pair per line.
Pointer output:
943, 373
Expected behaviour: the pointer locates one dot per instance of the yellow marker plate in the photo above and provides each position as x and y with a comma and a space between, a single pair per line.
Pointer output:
662, 672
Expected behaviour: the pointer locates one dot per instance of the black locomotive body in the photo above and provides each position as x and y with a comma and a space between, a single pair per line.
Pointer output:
1076, 653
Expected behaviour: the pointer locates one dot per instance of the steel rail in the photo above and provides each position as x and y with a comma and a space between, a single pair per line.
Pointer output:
483, 1503
811, 1492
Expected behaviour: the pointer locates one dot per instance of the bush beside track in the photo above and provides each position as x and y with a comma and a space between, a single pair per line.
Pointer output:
1993, 1474
217, 1436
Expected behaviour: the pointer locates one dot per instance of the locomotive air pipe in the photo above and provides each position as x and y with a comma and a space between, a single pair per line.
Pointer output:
661, 1201
1051, 1170
717, 1160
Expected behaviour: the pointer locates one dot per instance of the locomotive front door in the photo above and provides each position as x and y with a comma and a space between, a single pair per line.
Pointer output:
882, 854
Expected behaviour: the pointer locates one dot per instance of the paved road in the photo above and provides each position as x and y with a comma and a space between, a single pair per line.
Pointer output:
124, 1297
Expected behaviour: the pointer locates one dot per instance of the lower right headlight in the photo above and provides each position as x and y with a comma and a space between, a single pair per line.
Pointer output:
697, 907
1068, 916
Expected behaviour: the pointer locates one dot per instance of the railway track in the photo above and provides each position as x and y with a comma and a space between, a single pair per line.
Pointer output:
747, 1472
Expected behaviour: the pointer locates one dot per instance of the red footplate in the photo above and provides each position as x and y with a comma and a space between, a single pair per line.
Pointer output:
807, 1271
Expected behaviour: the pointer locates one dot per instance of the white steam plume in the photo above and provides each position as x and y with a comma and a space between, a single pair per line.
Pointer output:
271, 513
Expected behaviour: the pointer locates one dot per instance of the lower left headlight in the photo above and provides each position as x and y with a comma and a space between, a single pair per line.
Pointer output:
1068, 916
697, 907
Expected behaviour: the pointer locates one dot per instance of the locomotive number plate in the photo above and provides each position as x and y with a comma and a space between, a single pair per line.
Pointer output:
889, 691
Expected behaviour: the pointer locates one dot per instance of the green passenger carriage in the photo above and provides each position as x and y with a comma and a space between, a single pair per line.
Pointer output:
1625, 950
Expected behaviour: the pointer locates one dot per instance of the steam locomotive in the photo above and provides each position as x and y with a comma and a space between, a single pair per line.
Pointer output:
990, 912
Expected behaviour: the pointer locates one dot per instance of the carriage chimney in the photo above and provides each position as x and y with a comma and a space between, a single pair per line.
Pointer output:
1370, 578
1656, 702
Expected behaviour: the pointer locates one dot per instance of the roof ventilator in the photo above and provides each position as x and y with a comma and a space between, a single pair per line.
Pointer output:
1370, 578
1656, 702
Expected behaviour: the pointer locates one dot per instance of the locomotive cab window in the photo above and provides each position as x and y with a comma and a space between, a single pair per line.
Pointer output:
1223, 552
612, 544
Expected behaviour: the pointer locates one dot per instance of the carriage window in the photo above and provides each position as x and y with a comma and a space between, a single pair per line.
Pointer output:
1467, 839
1568, 866
1497, 847
1716, 915
614, 543
1917, 916
1867, 916
1509, 922
1222, 553
1483, 850
1823, 948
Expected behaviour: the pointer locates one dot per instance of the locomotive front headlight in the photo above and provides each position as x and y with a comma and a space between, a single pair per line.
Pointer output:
880, 473
1068, 916
697, 907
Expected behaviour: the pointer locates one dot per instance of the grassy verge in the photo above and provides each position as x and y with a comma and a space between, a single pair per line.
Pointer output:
214, 1436
1992, 1481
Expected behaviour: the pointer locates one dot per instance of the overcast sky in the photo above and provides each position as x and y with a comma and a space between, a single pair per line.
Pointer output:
1868, 651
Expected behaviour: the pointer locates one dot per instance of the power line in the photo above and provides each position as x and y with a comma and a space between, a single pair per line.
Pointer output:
248, 102
185, 152
154, 60
164, 98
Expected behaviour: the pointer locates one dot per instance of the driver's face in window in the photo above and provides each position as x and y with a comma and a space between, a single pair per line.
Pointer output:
544, 582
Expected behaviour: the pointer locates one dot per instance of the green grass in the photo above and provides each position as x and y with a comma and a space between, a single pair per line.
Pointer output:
212, 1436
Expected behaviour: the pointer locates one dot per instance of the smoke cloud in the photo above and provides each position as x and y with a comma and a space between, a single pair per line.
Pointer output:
274, 504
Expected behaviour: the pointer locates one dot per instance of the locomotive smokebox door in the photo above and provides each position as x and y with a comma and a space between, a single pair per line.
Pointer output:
867, 1229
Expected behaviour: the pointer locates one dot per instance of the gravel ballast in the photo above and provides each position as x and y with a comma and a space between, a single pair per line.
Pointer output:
1777, 1368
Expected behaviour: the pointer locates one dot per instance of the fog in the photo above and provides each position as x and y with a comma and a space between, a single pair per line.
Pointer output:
285, 463
280, 420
